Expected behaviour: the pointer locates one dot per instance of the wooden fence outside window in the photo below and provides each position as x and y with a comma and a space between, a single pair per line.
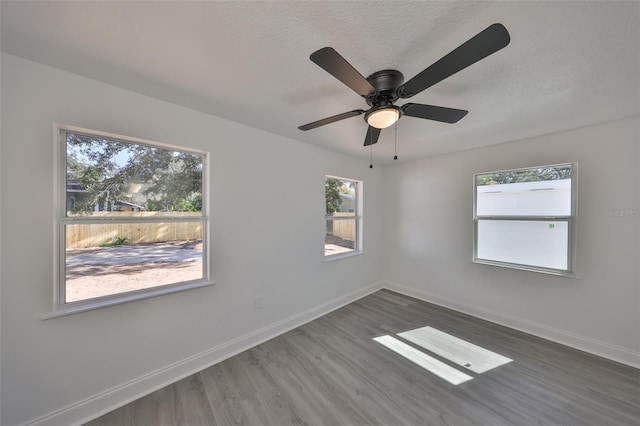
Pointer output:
84, 235
345, 229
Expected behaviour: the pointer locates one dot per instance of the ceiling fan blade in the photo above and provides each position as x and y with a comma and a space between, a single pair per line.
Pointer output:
430, 112
489, 41
373, 134
331, 61
331, 119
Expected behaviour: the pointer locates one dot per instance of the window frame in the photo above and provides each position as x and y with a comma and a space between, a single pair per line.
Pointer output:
60, 306
357, 217
569, 219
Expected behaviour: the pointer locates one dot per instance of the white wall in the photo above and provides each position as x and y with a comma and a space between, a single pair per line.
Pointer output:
49, 367
428, 240
57, 371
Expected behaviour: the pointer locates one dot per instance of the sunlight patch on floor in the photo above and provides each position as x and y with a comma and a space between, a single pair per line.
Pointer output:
451, 348
456, 350
425, 361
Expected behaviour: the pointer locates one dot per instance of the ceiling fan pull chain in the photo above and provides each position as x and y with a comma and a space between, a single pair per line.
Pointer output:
371, 156
395, 147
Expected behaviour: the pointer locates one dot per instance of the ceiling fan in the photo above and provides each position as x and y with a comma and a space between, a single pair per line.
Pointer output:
383, 88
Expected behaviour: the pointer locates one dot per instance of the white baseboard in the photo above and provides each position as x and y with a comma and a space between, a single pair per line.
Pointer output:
586, 344
109, 400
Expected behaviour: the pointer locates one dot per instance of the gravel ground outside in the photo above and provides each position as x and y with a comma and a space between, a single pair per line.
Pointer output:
336, 245
106, 271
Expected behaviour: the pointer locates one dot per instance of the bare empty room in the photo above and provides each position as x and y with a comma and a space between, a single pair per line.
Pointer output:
320, 213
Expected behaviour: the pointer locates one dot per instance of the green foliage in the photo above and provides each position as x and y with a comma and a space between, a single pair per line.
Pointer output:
332, 194
332, 190
192, 203
170, 180
118, 241
526, 175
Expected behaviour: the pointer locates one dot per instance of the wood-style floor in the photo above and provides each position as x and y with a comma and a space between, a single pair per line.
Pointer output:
331, 372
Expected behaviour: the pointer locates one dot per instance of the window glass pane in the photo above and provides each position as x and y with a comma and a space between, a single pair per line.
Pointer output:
340, 236
530, 192
113, 258
534, 243
340, 197
104, 175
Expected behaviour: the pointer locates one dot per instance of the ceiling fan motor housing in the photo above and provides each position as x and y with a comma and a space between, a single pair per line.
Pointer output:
386, 83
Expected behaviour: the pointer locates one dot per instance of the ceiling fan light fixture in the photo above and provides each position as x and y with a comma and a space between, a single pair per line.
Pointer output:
383, 117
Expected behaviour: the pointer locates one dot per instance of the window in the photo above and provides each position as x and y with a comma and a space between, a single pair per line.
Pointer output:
343, 217
132, 220
525, 218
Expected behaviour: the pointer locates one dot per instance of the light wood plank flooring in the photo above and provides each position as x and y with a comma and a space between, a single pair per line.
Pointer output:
331, 372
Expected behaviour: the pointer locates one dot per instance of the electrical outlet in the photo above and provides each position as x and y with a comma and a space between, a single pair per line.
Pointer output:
258, 302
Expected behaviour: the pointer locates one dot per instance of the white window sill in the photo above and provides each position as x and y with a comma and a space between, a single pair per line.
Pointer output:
89, 305
527, 268
333, 257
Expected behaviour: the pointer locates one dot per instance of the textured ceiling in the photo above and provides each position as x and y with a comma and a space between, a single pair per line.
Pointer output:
569, 64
